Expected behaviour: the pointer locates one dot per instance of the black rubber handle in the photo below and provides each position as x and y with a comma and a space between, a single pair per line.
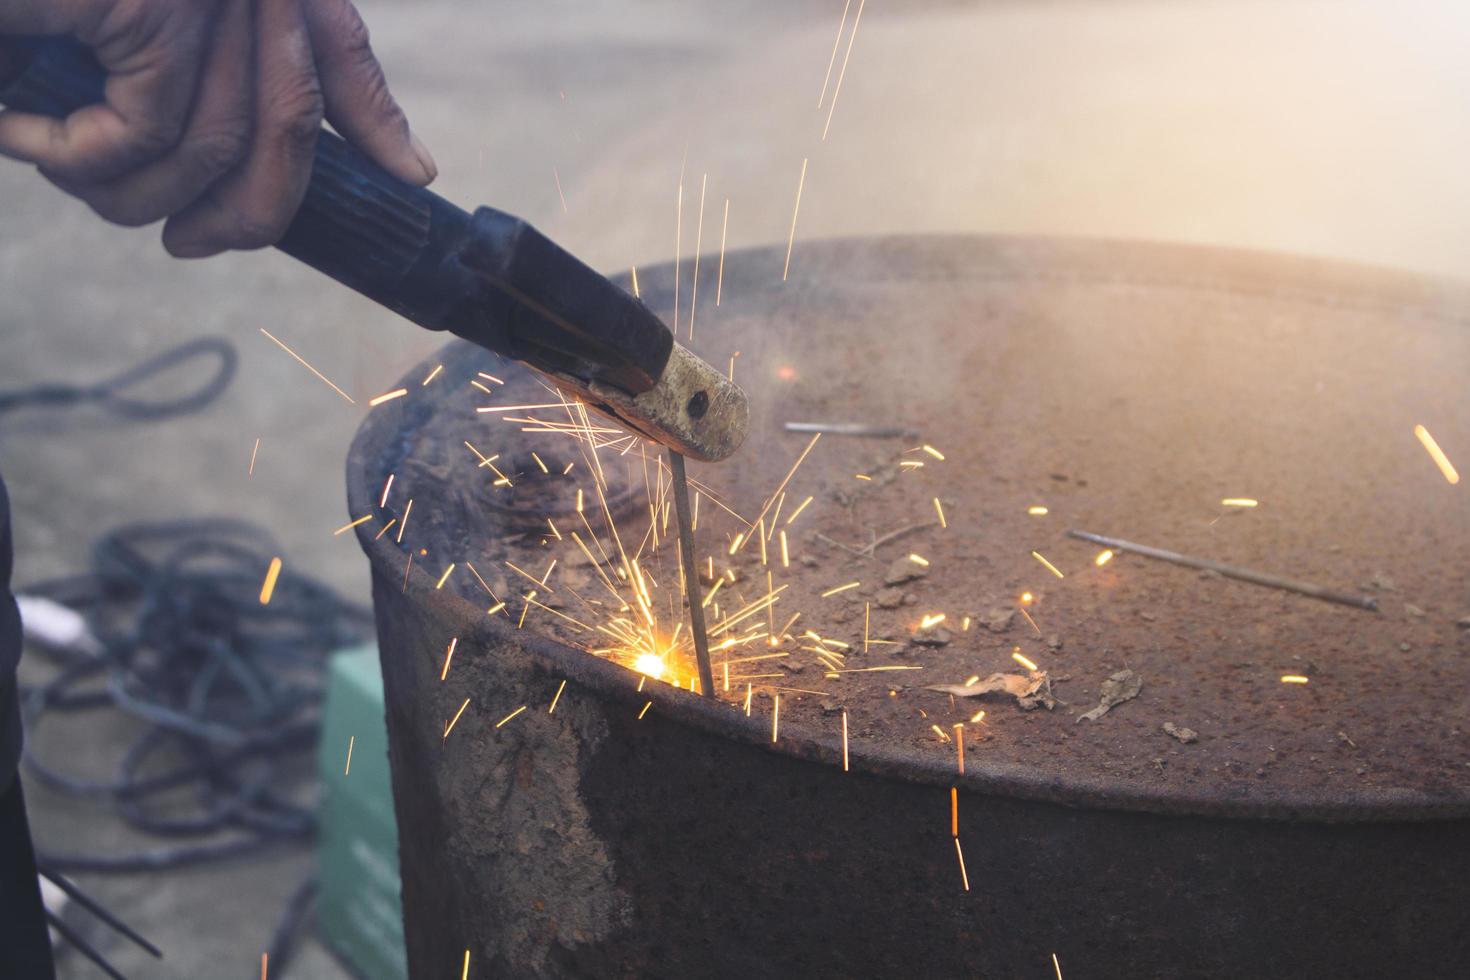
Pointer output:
490, 278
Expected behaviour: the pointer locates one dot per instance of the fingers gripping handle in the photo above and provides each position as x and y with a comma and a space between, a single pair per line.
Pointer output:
391, 241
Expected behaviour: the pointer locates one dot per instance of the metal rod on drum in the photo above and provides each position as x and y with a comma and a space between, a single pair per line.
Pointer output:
1232, 571
691, 574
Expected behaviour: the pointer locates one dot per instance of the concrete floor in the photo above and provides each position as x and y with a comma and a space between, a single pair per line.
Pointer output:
1315, 126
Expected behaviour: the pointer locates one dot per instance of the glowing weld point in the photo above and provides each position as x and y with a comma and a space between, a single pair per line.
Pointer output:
1103, 557
268, 587
919, 560
1027, 598
1239, 502
1049, 566
1023, 660
562, 687
1037, 511
510, 716
650, 665
387, 396
840, 588
1436, 454
1293, 679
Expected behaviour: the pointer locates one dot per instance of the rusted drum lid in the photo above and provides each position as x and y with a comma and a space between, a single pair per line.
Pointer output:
1126, 388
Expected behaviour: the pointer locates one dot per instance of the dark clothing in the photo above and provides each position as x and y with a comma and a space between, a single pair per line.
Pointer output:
25, 942
9, 654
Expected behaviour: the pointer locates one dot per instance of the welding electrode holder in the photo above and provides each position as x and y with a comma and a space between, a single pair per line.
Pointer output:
488, 277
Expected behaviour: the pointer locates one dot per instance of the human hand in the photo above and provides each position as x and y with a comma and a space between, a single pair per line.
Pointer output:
212, 112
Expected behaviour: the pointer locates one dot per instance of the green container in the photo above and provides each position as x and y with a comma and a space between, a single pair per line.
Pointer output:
360, 907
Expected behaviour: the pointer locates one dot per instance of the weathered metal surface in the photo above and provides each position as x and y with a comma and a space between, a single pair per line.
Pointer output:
588, 842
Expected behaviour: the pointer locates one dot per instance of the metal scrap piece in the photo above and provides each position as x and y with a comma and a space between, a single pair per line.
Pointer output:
1122, 686
1030, 692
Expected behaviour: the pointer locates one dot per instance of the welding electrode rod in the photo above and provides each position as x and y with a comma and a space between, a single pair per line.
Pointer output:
691, 574
853, 429
1232, 571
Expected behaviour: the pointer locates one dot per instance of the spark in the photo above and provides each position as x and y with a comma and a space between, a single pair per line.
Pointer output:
1036, 511
645, 710
959, 744
251, 470
843, 73
636, 293
972, 680
353, 524
911, 464
387, 396
464, 974
432, 375
495, 609
1435, 453
490, 377
934, 619
794, 211
1103, 557
406, 511
448, 657
540, 463
862, 476
443, 578
528, 576
1023, 660
933, 452
269, 585
1057, 965
867, 618
960, 851
510, 716
844, 740
348, 768
557, 177
302, 361
385, 528
1027, 598
698, 245
787, 479
264, 960
1239, 502
939, 509
679, 238
747, 699
387, 485
965, 625
954, 812
1049, 566
1031, 621
841, 26
557, 697
943, 735
797, 513
785, 556
776, 717
450, 727
1293, 679
919, 560
720, 277
554, 531
978, 717
840, 588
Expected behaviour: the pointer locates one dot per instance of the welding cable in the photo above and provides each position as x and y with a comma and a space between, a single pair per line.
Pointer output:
112, 394
228, 690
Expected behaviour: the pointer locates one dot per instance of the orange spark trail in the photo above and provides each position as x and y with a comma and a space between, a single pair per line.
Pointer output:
347, 770
552, 710
963, 875
510, 716
387, 485
786, 270
720, 278
557, 177
698, 244
1436, 454
843, 73
1049, 566
841, 26
787, 479
348, 527
302, 361
448, 658
450, 727
844, 741
387, 396
432, 375
269, 586
251, 470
